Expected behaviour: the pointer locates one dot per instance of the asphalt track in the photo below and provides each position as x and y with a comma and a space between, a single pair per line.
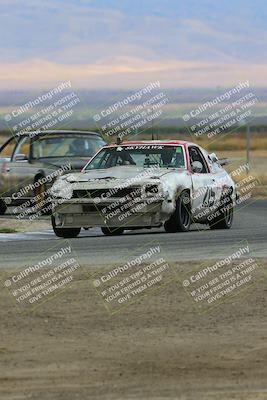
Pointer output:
93, 248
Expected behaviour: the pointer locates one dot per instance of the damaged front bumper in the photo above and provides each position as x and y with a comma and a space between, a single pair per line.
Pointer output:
111, 213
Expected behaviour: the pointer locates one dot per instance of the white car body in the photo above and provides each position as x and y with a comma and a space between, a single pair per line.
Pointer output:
89, 198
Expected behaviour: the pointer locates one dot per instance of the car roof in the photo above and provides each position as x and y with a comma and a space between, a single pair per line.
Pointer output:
151, 142
37, 133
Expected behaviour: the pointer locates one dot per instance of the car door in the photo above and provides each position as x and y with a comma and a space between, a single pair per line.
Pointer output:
205, 192
20, 170
6, 152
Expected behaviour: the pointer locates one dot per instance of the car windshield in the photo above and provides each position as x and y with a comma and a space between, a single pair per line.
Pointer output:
66, 146
139, 155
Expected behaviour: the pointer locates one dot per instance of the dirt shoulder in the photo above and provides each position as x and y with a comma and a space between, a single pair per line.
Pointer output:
25, 225
161, 347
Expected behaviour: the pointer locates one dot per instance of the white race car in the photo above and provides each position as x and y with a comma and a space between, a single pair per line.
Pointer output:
144, 184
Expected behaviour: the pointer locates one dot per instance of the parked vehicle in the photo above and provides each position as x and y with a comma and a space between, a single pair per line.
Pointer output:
28, 162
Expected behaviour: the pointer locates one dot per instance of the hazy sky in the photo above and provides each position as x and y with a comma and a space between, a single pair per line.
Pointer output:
127, 43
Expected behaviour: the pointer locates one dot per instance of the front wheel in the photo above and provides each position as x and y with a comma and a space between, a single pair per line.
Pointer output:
225, 218
181, 218
3, 207
112, 231
66, 233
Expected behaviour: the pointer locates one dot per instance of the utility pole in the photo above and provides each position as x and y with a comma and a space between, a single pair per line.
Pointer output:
248, 147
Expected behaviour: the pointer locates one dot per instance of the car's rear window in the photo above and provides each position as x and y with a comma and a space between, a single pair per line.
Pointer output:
66, 146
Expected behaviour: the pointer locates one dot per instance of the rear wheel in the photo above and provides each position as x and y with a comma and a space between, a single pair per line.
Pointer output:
65, 232
181, 218
3, 207
112, 231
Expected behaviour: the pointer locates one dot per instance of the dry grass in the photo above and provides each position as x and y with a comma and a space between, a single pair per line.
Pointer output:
234, 142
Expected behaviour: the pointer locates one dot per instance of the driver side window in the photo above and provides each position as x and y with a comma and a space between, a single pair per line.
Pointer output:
8, 148
196, 155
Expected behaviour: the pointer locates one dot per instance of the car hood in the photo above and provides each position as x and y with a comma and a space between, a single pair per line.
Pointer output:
120, 173
76, 164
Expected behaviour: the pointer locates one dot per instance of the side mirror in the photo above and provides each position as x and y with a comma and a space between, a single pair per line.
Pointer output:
197, 167
213, 157
20, 157
224, 161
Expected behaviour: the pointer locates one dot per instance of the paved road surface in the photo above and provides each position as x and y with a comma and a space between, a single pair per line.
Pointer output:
93, 247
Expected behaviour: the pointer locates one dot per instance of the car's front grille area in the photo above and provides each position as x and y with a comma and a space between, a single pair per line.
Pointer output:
106, 193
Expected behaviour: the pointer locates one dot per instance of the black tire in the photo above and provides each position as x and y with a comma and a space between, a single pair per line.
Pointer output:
66, 233
180, 220
225, 217
42, 204
3, 207
112, 231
